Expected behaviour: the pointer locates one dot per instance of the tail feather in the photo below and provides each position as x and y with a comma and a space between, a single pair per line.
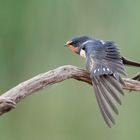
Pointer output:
107, 90
130, 62
136, 77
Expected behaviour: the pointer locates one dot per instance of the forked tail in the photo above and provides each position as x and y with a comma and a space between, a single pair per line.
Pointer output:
130, 62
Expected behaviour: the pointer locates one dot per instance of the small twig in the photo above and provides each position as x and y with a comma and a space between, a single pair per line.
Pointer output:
9, 99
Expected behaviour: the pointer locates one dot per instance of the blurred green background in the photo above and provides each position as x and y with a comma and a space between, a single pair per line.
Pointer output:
32, 36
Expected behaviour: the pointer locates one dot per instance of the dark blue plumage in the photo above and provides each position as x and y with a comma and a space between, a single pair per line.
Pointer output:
105, 65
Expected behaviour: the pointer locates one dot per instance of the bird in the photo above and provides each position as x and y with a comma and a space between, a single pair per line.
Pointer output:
105, 65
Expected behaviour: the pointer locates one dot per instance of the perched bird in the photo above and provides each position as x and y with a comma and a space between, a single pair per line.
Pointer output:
105, 65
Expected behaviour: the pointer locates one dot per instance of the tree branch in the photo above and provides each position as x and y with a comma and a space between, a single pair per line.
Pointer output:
9, 99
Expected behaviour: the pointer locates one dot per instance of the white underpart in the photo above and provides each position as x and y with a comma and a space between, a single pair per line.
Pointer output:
103, 42
92, 64
82, 53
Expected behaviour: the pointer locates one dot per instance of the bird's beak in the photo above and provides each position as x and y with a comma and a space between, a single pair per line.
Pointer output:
67, 43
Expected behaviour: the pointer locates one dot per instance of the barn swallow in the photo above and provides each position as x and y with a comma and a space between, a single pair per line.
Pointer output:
105, 65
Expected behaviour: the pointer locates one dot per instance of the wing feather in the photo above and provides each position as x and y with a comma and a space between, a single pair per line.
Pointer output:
105, 75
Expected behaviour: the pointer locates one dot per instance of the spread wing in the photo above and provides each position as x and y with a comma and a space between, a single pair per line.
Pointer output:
105, 65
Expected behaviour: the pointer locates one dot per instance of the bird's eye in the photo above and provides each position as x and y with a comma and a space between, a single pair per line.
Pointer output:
71, 43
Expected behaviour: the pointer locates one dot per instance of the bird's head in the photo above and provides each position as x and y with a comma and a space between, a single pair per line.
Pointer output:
76, 44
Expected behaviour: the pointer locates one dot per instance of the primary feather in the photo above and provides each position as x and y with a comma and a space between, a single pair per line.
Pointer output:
104, 63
